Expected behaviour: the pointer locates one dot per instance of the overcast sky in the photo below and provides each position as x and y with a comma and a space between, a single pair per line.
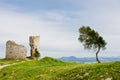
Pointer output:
57, 23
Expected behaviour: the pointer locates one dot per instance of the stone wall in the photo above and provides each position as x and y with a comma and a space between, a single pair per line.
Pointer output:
34, 44
15, 51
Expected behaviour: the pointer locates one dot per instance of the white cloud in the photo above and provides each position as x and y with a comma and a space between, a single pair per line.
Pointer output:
19, 26
59, 29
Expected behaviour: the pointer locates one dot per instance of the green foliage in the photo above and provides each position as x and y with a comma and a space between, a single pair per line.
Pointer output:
90, 38
37, 53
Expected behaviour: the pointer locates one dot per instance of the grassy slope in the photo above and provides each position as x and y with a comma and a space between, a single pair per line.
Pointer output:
52, 69
4, 62
94, 72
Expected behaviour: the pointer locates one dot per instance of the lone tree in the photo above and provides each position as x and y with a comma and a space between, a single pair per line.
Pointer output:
91, 40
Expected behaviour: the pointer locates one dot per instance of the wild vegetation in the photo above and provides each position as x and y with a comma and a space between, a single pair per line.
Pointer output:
53, 69
37, 54
5, 62
91, 40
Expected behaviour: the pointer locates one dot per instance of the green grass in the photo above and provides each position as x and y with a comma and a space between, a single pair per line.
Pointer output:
93, 72
4, 61
53, 69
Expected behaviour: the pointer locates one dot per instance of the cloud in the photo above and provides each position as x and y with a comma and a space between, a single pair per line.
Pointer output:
54, 34
58, 27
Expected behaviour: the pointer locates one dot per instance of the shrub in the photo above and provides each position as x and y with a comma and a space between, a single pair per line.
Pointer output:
37, 54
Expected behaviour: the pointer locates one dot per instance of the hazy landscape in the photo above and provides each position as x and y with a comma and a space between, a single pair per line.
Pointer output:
88, 59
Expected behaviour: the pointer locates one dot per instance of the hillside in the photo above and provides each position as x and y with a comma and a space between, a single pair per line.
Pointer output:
53, 69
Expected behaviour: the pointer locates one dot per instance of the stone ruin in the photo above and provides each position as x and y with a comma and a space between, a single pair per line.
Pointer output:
16, 51
34, 44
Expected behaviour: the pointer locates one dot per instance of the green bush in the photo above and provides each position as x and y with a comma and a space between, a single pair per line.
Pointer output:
37, 54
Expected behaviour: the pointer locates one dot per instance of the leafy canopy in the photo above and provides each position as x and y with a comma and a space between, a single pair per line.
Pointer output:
90, 38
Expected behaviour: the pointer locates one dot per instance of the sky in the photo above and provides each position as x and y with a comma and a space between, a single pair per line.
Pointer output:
57, 23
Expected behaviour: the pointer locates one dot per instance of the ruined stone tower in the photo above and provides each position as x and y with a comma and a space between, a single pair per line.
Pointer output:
34, 44
15, 51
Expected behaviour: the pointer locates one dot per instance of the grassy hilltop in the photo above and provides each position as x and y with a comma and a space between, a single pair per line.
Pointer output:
53, 69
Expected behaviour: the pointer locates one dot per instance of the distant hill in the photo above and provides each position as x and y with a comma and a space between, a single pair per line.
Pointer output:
89, 59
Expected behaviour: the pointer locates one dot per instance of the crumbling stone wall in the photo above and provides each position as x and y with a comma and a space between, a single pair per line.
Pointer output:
15, 51
34, 44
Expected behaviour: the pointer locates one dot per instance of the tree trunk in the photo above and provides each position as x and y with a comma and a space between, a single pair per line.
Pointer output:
97, 55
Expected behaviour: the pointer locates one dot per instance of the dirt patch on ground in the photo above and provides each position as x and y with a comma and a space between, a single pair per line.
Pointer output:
9, 65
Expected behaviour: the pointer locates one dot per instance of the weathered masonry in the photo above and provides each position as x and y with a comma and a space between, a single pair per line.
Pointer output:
15, 51
34, 44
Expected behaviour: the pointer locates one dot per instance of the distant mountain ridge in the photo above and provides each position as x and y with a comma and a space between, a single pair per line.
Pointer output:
89, 59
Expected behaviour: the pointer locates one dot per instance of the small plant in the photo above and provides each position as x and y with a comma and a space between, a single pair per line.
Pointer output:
37, 54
